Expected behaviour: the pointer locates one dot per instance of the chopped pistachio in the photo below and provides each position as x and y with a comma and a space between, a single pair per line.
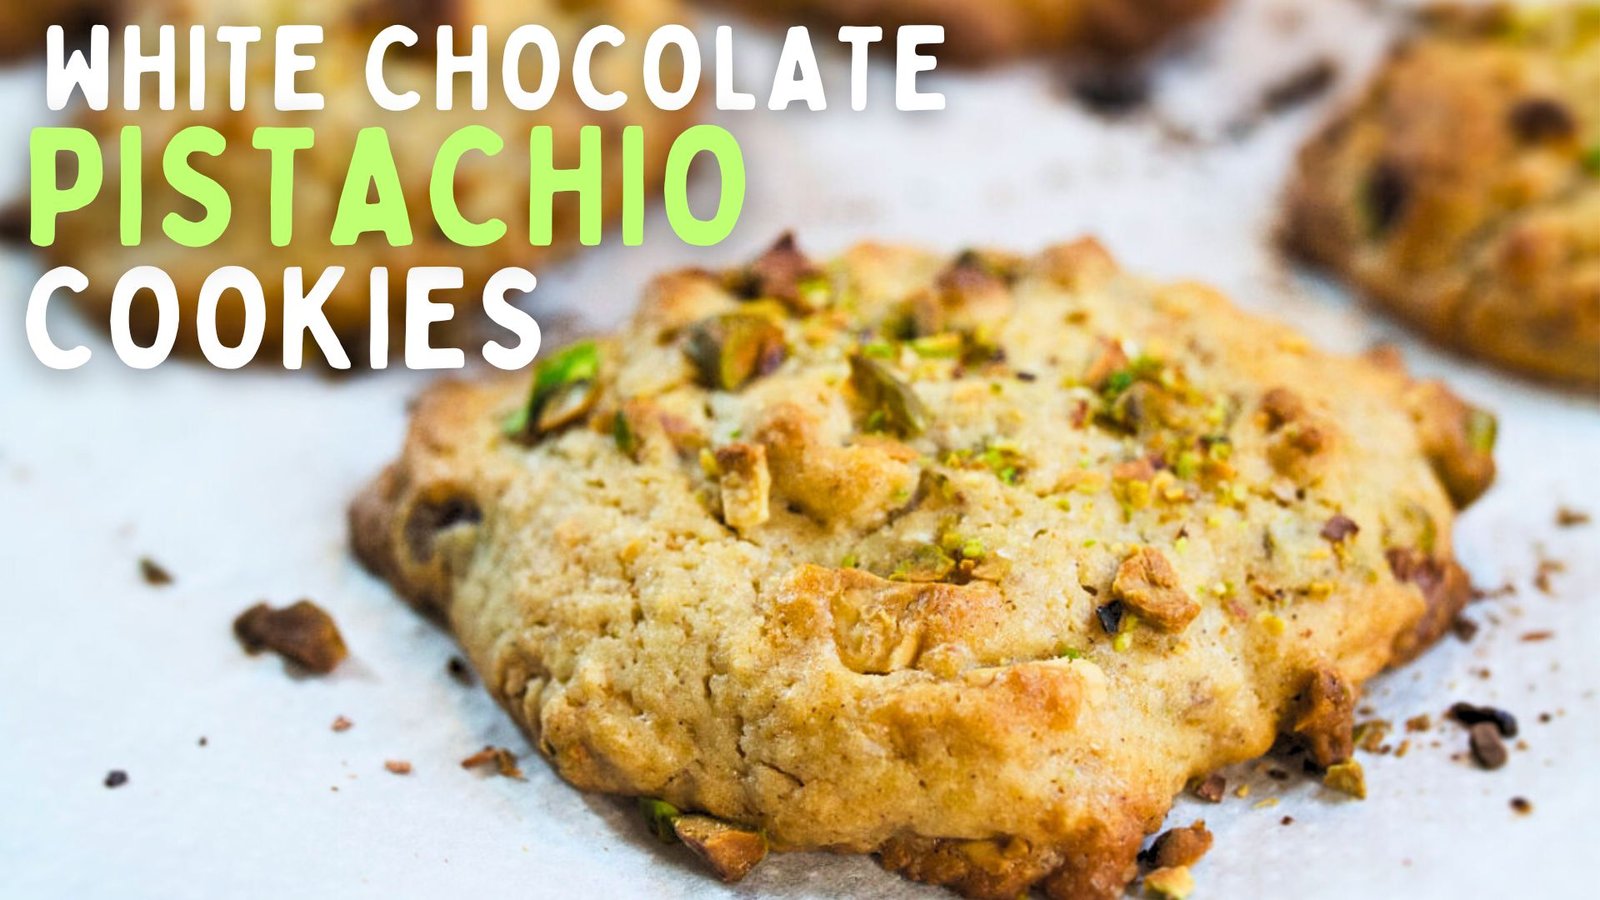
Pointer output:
891, 404
729, 850
731, 350
813, 291
658, 817
1482, 428
1347, 778
1172, 883
623, 434
564, 388
708, 463
879, 349
850, 561
1069, 653
938, 346
1122, 642
928, 563
1591, 160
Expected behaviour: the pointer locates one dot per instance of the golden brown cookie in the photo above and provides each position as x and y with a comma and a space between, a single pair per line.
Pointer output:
1463, 190
485, 188
977, 32
23, 24
969, 563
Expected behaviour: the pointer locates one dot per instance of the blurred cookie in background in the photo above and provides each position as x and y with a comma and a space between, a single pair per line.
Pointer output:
23, 24
992, 30
1462, 192
485, 187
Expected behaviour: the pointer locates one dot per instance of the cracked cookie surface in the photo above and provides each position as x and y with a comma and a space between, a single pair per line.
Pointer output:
1462, 191
968, 562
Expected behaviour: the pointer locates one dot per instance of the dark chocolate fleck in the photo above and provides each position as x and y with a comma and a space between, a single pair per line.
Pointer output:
1302, 86
1521, 806
1338, 528
1469, 715
459, 670
116, 778
1112, 91
1487, 748
1110, 616
1540, 119
1385, 197
153, 573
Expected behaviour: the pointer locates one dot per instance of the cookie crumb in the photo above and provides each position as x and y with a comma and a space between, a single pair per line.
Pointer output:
1347, 778
1521, 806
1464, 629
1534, 637
1286, 820
116, 778
398, 766
1487, 748
1567, 517
1170, 884
1211, 788
202, 742
1541, 576
1179, 846
340, 723
153, 573
503, 760
459, 670
303, 633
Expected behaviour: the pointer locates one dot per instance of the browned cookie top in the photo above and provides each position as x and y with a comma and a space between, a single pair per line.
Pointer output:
1463, 189
968, 561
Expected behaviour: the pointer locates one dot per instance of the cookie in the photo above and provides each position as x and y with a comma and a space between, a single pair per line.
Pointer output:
1462, 191
23, 25
1004, 29
969, 563
485, 188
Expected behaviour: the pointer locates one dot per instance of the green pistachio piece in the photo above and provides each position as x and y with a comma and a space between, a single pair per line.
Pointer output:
928, 563
1591, 160
947, 345
659, 816
891, 404
565, 386
1482, 429
622, 433
731, 350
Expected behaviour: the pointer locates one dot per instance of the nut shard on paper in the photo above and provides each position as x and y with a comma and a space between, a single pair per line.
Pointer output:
968, 562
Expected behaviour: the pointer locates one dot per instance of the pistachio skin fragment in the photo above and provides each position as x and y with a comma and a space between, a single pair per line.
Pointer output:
729, 850
890, 402
565, 388
733, 349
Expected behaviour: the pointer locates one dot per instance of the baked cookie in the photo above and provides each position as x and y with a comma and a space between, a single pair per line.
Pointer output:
485, 187
1463, 190
970, 563
23, 24
1001, 29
